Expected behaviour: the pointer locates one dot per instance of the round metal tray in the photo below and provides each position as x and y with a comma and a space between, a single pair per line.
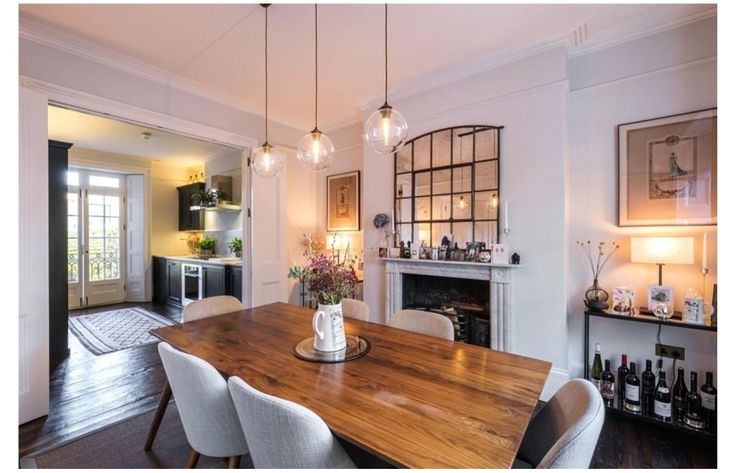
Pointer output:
356, 348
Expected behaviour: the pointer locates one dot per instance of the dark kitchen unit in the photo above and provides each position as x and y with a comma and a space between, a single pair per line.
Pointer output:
200, 280
189, 220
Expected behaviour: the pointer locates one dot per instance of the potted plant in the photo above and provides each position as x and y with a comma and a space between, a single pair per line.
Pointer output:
236, 246
208, 197
206, 245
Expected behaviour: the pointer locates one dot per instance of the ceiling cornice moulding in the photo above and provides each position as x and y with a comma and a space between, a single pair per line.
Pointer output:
41, 32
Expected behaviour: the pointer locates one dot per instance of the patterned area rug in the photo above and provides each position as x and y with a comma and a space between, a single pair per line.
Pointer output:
113, 330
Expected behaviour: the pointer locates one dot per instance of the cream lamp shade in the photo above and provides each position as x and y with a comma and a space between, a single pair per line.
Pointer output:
662, 250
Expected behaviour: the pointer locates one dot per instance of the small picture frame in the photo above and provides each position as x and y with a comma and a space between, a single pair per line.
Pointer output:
623, 301
499, 253
473, 250
382, 252
657, 294
343, 202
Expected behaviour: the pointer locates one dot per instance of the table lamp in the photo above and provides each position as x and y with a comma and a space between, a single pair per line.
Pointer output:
661, 251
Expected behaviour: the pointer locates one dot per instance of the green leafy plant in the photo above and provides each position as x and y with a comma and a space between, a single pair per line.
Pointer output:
207, 243
208, 197
235, 245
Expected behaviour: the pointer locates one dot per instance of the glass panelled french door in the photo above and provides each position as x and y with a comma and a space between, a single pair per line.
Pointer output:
96, 240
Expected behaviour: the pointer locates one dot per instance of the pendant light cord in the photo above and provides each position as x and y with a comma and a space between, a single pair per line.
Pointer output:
386, 53
316, 66
266, 74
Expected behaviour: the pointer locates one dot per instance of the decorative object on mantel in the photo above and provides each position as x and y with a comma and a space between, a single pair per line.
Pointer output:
660, 251
485, 256
515, 258
385, 130
694, 308
596, 297
267, 161
668, 170
343, 202
315, 150
499, 253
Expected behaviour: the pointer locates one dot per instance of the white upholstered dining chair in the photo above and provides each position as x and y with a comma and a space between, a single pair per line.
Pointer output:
427, 323
283, 434
355, 309
205, 406
565, 432
201, 309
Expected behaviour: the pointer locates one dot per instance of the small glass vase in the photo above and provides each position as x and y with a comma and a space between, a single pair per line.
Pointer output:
596, 297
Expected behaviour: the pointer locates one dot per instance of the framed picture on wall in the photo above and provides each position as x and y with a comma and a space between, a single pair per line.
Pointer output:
667, 170
343, 202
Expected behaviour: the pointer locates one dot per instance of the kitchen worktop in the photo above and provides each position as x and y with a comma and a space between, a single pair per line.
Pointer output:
221, 260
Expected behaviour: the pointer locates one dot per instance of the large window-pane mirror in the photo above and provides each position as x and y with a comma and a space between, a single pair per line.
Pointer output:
447, 183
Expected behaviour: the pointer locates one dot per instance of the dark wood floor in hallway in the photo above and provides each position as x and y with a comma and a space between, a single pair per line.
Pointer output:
88, 392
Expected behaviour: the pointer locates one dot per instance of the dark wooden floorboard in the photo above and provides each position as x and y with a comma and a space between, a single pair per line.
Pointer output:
88, 392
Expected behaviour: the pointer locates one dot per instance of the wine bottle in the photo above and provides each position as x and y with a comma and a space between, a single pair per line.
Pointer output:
622, 373
709, 404
597, 367
662, 401
694, 417
680, 397
607, 385
648, 389
632, 391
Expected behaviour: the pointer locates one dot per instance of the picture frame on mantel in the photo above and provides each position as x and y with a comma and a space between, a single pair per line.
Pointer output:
343, 202
667, 170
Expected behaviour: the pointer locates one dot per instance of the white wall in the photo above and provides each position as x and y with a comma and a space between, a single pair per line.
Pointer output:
643, 79
528, 98
224, 226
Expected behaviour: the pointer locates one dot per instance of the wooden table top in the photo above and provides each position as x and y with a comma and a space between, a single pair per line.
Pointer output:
415, 401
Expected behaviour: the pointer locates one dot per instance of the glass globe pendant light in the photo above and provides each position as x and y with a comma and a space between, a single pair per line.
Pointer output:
385, 130
267, 161
315, 150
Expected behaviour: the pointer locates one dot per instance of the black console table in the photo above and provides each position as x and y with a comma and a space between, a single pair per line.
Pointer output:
675, 321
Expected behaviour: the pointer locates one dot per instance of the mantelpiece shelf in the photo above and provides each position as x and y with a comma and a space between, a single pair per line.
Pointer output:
459, 263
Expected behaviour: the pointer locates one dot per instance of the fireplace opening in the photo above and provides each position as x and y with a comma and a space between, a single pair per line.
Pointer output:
466, 302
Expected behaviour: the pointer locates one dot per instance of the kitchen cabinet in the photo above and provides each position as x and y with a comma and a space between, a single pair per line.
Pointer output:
160, 280
189, 220
213, 280
173, 276
234, 281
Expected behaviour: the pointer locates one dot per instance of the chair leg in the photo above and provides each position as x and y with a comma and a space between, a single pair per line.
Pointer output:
234, 462
156, 423
193, 459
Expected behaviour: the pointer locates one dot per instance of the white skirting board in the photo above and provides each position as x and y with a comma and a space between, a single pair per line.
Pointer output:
557, 379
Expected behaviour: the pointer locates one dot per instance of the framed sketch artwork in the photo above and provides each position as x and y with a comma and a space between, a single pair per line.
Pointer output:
668, 170
343, 202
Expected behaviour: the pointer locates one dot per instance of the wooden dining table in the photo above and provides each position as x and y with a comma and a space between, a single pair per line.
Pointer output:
414, 400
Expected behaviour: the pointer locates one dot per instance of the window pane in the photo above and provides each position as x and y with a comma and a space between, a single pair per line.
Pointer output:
486, 175
462, 179
403, 185
404, 210
96, 227
104, 181
422, 211
112, 205
462, 233
72, 178
486, 232
439, 231
442, 182
72, 203
404, 232
422, 233
423, 183
441, 207
463, 142
441, 143
486, 145
421, 153
403, 159
462, 206
112, 227
486, 205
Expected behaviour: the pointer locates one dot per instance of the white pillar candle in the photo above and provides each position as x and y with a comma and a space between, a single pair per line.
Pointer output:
506, 219
704, 251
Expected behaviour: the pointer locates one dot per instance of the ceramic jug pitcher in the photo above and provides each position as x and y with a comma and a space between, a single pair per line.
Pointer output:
695, 309
329, 328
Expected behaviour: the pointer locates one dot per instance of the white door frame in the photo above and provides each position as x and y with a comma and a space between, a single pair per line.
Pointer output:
82, 101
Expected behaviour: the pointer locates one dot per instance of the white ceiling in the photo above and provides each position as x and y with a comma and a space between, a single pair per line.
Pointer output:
113, 136
221, 46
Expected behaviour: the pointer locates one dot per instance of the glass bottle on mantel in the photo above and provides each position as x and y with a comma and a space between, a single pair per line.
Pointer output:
709, 403
597, 367
632, 391
680, 397
607, 386
694, 417
662, 401
648, 389
622, 373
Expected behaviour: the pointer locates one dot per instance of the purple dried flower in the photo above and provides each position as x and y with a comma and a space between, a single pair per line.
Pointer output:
381, 220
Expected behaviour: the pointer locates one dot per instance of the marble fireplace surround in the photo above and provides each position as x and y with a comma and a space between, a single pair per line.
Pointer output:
500, 277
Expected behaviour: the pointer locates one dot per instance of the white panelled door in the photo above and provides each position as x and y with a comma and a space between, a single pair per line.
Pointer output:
135, 238
269, 256
74, 247
33, 279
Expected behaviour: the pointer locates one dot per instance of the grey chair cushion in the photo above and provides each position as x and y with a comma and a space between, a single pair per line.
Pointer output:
205, 406
420, 321
283, 434
209, 307
355, 309
564, 434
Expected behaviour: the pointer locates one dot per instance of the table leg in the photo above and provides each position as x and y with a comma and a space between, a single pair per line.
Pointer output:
158, 416
586, 345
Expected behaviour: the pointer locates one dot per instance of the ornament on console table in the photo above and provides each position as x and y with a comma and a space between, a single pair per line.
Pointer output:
595, 296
